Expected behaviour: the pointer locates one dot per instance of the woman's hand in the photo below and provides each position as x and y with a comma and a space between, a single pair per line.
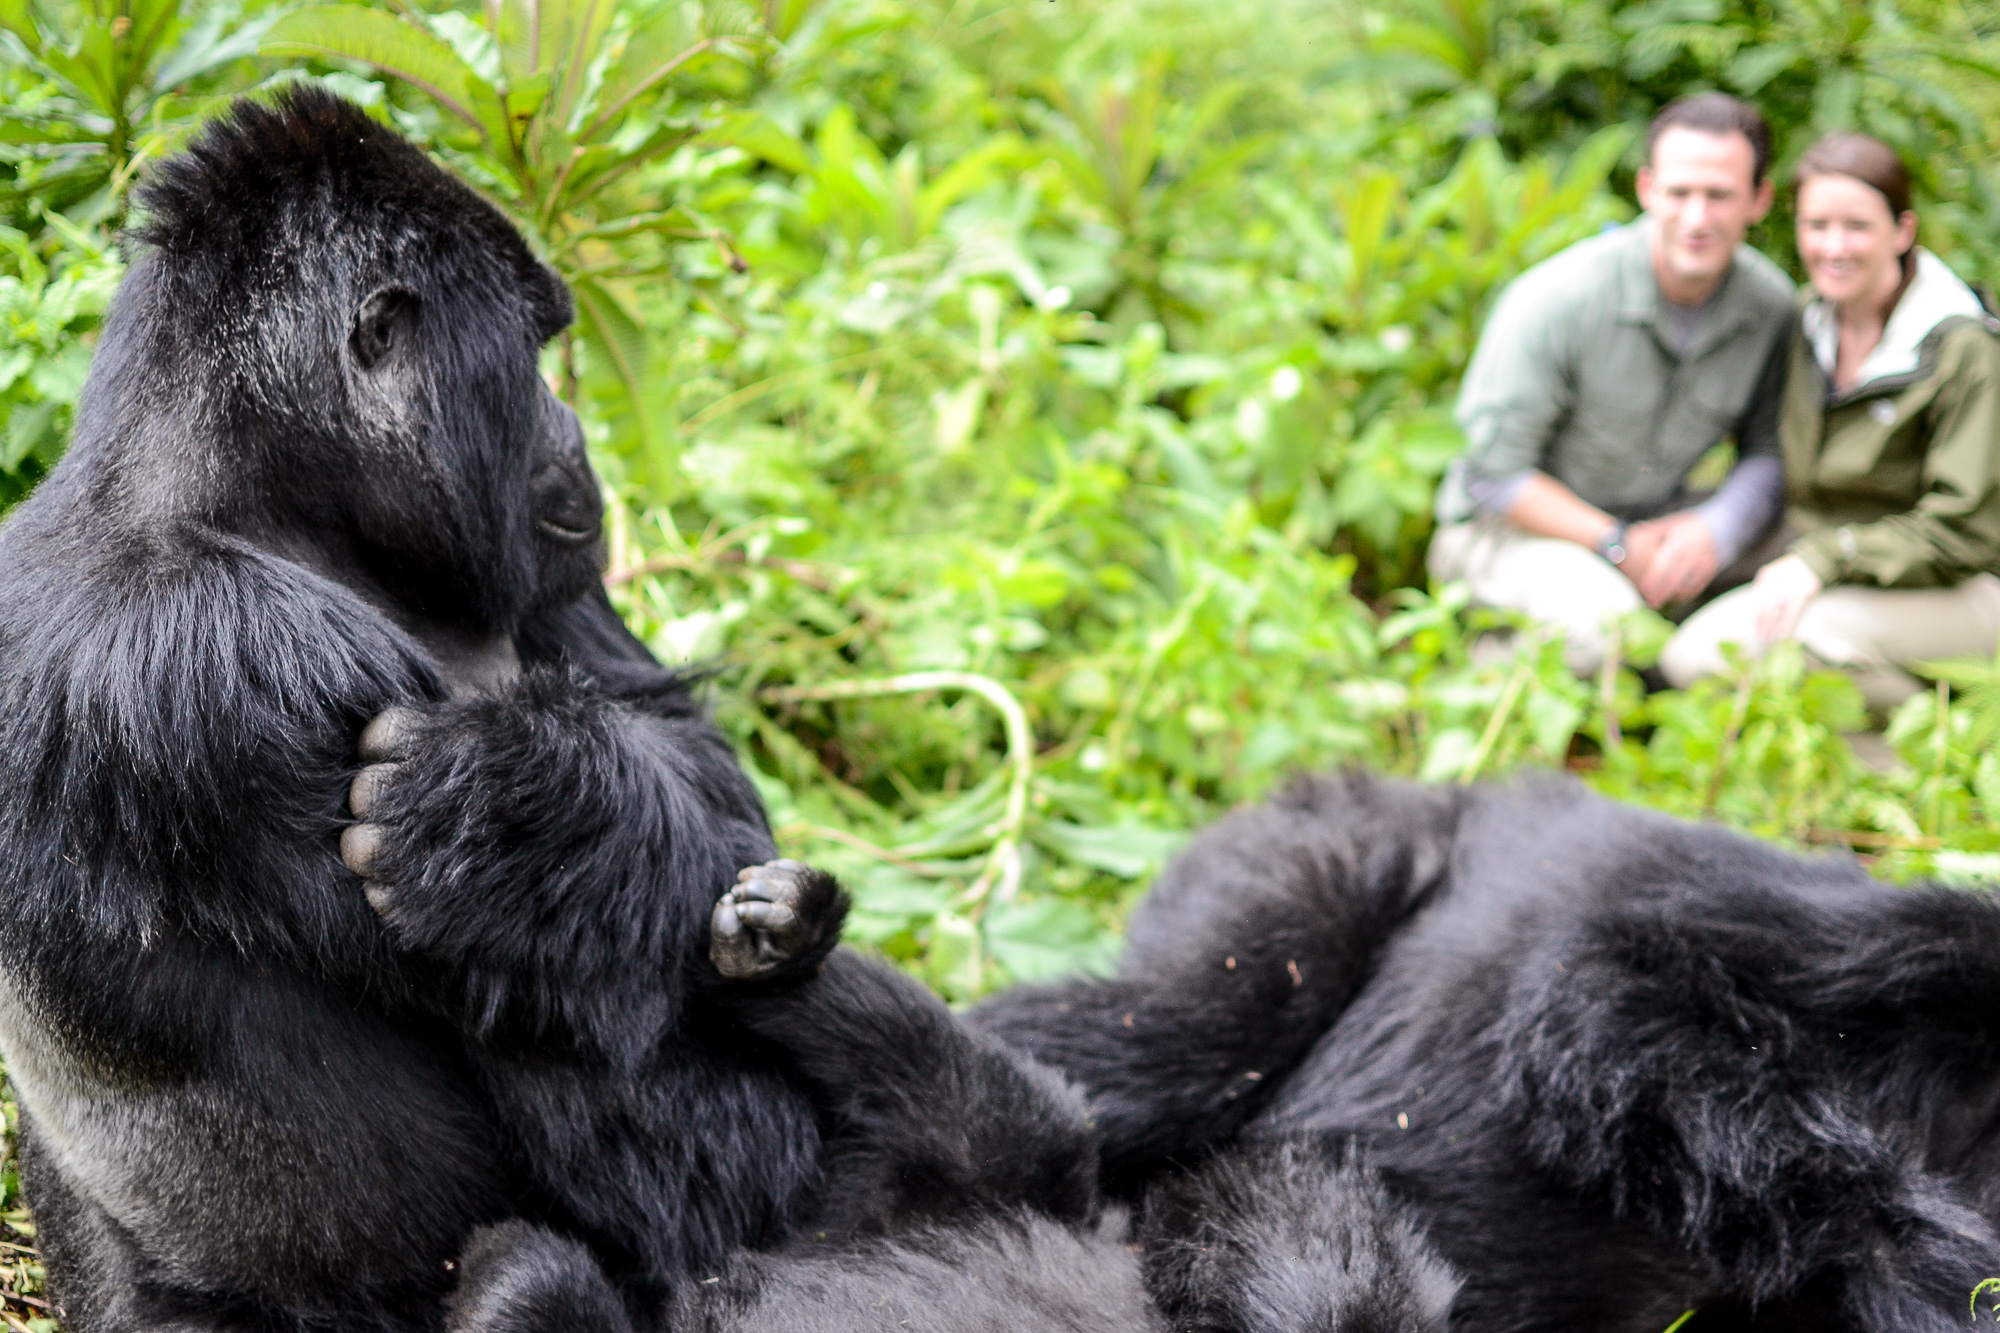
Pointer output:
1783, 588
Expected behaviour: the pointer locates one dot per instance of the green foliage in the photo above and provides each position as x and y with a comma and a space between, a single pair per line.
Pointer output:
47, 317
91, 92
21, 1274
97, 87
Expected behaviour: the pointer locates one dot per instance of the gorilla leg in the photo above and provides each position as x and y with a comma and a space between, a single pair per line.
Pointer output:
925, 1120
1289, 1233
1240, 958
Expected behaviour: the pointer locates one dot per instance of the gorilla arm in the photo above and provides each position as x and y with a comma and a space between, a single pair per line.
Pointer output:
557, 851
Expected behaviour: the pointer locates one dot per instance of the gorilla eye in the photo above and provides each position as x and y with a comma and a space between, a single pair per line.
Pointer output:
384, 316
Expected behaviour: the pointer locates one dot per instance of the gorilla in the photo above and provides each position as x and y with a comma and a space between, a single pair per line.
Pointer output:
1617, 1066
317, 478
960, 1193
325, 543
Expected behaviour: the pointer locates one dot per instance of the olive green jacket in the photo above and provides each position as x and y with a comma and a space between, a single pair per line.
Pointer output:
1895, 482
1577, 375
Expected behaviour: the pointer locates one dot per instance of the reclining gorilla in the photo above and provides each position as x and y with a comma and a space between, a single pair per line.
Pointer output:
317, 486
960, 1194
1618, 1066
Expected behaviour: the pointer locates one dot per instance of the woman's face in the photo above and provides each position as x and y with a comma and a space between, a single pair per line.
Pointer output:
1849, 241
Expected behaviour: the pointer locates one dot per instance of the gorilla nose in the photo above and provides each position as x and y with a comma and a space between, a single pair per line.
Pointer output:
567, 507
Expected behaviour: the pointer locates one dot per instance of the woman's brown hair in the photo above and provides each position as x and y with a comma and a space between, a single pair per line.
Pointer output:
1868, 160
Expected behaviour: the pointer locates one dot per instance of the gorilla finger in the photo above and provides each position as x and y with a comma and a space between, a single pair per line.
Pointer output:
361, 848
725, 924
390, 734
771, 918
366, 790
381, 898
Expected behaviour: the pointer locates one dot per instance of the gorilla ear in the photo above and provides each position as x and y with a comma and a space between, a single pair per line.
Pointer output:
383, 318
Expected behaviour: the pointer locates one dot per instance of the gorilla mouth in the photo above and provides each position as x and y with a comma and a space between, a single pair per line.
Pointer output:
568, 536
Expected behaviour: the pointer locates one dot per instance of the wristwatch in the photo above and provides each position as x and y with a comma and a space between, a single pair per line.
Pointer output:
1612, 544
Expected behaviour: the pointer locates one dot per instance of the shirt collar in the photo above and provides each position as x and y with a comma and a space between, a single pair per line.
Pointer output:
1934, 295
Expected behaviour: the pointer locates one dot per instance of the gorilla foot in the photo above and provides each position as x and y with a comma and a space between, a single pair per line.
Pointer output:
777, 913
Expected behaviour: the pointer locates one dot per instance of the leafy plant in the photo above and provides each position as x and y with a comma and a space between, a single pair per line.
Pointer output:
102, 85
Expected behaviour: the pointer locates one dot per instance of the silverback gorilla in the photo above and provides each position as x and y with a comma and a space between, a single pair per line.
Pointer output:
1616, 1065
320, 506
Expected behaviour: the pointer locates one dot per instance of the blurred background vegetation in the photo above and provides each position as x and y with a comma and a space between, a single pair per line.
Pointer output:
1032, 409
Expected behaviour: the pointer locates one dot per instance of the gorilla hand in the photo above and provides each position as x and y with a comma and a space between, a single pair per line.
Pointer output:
780, 915
383, 743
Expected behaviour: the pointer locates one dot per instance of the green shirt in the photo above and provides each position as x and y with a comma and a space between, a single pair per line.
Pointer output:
1895, 482
1577, 374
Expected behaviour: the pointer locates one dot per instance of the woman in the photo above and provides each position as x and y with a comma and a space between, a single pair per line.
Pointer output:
1891, 439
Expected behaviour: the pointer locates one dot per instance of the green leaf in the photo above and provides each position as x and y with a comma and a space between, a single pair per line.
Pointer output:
613, 331
1049, 937
17, 17
1129, 851
760, 136
396, 47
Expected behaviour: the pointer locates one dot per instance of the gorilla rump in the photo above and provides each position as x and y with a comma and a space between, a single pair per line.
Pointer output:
1616, 1065
318, 491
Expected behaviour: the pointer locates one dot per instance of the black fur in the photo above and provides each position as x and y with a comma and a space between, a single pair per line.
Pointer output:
1618, 1066
316, 473
960, 1197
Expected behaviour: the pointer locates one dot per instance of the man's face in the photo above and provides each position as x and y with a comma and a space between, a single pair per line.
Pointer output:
1698, 190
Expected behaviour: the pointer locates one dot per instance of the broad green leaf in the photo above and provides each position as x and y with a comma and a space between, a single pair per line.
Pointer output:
210, 45
1049, 938
398, 48
757, 134
17, 17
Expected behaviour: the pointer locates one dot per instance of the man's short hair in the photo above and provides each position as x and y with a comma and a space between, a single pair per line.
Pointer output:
1716, 113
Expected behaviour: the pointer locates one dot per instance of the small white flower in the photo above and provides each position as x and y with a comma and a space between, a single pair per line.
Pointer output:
1396, 339
1054, 298
878, 291
1286, 383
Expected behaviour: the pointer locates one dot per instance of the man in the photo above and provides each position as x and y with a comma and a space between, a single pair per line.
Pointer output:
1603, 376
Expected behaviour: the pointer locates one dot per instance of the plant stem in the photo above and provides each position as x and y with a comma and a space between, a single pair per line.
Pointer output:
1727, 747
1491, 736
1004, 864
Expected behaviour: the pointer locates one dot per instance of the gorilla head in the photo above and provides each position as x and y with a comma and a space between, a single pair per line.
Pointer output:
350, 338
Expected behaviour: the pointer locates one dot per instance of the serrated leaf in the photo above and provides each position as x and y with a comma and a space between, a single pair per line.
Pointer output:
612, 330
667, 41
398, 48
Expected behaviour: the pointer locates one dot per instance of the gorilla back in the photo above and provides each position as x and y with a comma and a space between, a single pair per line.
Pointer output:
316, 474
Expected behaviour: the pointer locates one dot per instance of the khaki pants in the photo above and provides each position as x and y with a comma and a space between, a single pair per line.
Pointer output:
1549, 580
1870, 633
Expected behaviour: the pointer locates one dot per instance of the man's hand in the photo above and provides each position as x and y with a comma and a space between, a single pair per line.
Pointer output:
1670, 559
1782, 589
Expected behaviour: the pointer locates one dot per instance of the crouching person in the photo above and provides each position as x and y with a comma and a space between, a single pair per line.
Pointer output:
1891, 438
1604, 375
